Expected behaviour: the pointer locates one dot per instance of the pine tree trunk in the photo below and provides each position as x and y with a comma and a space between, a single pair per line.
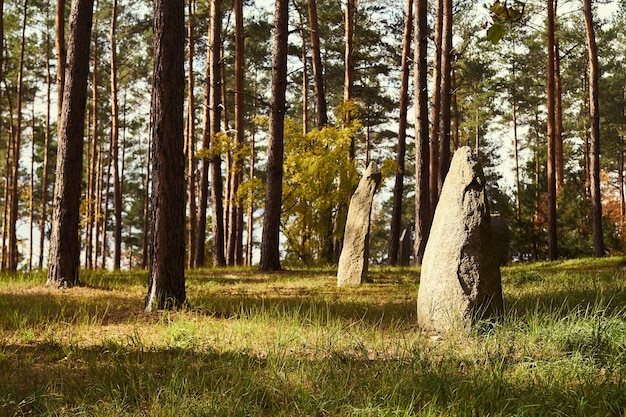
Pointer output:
623, 166
93, 165
46, 155
212, 164
398, 189
538, 227
99, 221
316, 60
422, 152
586, 146
105, 197
620, 180
117, 188
348, 84
558, 115
446, 94
5, 204
270, 253
64, 242
250, 213
16, 150
436, 107
59, 30
235, 208
456, 135
146, 197
6, 219
166, 276
191, 139
217, 104
552, 232
5, 213
594, 112
31, 214
518, 204
305, 75
203, 198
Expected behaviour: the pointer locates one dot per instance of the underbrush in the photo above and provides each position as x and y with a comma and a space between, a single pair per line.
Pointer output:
292, 344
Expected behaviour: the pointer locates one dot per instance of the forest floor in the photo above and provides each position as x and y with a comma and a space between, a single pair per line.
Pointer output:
293, 344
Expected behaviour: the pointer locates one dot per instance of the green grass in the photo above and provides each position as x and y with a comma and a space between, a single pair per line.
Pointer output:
292, 344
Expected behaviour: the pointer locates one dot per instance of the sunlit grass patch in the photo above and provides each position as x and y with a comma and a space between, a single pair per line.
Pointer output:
293, 343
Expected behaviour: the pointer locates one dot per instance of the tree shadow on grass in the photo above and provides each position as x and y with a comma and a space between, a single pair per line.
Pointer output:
56, 379
36, 309
306, 308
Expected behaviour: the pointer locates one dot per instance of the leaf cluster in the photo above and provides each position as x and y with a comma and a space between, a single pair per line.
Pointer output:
503, 15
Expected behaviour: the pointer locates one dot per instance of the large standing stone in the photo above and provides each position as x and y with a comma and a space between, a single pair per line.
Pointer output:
354, 255
460, 280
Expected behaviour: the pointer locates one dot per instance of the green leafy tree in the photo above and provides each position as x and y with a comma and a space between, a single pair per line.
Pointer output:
316, 179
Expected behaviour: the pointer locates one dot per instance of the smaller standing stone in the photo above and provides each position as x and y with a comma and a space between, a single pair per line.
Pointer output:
353, 261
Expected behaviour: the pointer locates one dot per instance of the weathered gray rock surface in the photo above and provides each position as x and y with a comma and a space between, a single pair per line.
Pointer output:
460, 280
353, 261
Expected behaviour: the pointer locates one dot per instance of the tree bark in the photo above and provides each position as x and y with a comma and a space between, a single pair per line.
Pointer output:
64, 242
46, 156
423, 217
191, 138
235, 208
31, 221
518, 204
93, 158
348, 84
211, 127
166, 277
270, 253
117, 187
538, 227
455, 112
594, 113
558, 115
398, 189
318, 71
7, 182
59, 30
250, 208
586, 146
622, 194
99, 220
305, 77
436, 107
146, 197
446, 94
16, 150
104, 218
552, 232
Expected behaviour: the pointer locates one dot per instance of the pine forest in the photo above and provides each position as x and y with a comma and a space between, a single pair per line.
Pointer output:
280, 107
